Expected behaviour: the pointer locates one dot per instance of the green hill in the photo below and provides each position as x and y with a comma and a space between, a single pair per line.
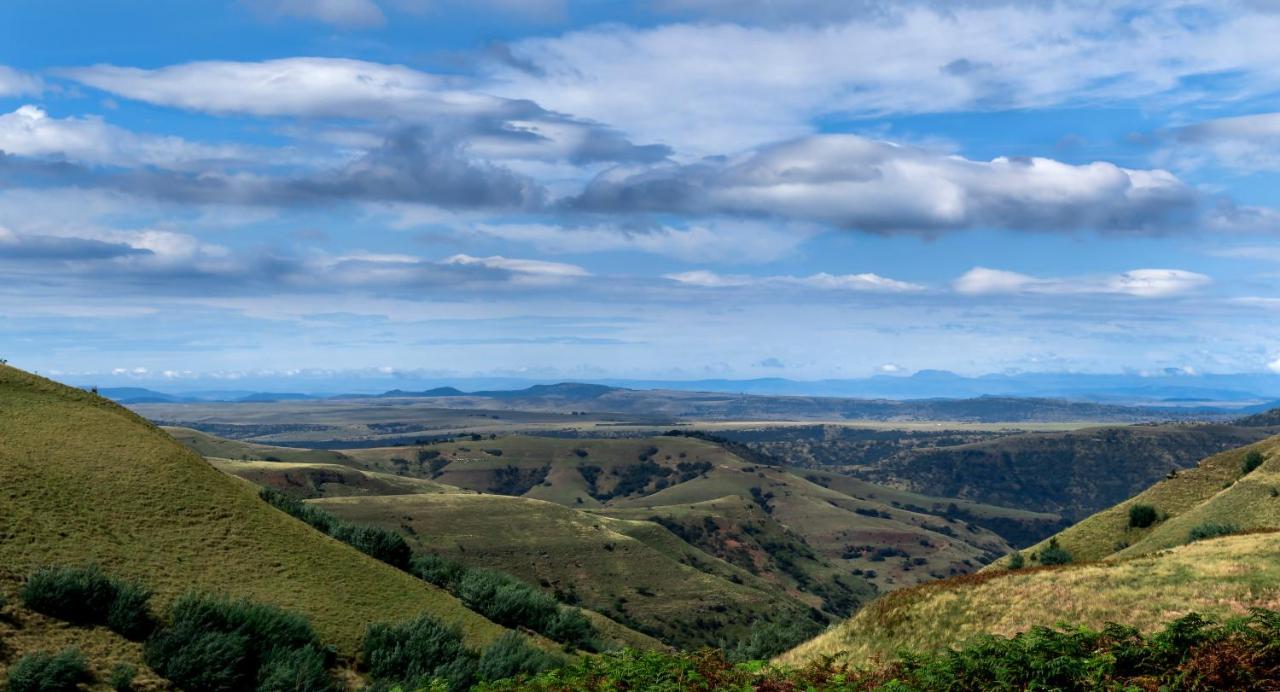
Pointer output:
83, 481
1216, 491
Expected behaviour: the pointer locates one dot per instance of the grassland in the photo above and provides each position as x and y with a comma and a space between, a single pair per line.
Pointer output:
1218, 578
311, 480
210, 446
85, 481
632, 571
1214, 491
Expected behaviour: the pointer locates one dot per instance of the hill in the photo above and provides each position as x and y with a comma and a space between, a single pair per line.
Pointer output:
1217, 491
1265, 419
1218, 578
1073, 473
84, 481
207, 445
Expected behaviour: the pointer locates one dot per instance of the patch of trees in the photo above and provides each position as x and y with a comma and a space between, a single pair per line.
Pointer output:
508, 601
1211, 529
379, 543
512, 480
87, 596
1053, 554
1142, 516
429, 655
1251, 461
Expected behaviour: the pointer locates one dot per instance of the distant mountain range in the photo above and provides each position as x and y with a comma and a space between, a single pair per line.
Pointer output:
1165, 388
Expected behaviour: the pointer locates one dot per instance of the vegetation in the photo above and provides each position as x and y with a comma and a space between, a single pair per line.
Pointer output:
1211, 529
214, 643
506, 600
1252, 461
45, 672
84, 595
381, 544
423, 651
121, 677
1141, 516
1054, 554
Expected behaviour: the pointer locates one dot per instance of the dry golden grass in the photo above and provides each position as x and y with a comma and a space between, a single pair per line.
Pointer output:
85, 481
1217, 578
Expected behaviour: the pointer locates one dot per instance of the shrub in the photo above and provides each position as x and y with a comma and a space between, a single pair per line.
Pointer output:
511, 655
44, 672
1054, 554
214, 643
438, 570
1211, 529
571, 627
316, 517
298, 670
1016, 561
381, 544
507, 600
1142, 516
121, 677
415, 652
1252, 460
87, 596
770, 639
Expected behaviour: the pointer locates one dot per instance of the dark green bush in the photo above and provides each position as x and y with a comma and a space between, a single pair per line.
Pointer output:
1054, 554
507, 600
415, 652
441, 571
44, 672
1016, 561
510, 656
572, 628
1252, 460
1211, 529
381, 544
768, 639
296, 670
87, 596
121, 677
213, 643
1142, 516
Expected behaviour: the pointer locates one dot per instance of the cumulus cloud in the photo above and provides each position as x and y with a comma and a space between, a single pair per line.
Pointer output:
857, 182
867, 282
1274, 366
1247, 143
1141, 283
30, 131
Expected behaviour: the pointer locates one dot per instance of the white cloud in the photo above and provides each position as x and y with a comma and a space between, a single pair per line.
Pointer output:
558, 270
344, 13
1246, 143
869, 184
713, 240
15, 83
889, 368
30, 131
1274, 366
1142, 283
842, 282
711, 87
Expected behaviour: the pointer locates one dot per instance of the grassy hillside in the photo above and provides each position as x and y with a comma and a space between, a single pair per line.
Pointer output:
634, 572
1217, 491
207, 445
1072, 473
85, 481
1218, 578
310, 480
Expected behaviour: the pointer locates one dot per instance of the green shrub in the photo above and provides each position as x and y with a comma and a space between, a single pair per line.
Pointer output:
1054, 554
1211, 529
121, 677
1252, 460
296, 670
415, 652
441, 571
381, 544
572, 628
87, 596
769, 639
510, 656
316, 517
44, 672
214, 643
1142, 516
507, 600
1016, 561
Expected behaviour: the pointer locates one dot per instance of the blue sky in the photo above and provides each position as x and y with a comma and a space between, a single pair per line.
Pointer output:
672, 189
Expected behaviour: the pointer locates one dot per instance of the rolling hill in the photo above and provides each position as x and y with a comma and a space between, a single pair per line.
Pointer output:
1143, 577
84, 481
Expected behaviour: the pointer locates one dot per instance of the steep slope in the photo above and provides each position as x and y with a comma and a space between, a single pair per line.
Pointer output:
1216, 491
1217, 578
1072, 473
83, 480
633, 571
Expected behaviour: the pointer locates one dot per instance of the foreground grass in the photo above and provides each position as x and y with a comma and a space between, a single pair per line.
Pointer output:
1219, 578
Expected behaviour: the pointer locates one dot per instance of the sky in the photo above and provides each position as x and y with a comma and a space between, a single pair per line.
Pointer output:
680, 189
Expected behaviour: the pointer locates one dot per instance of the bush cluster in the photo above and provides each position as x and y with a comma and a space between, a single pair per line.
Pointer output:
425, 653
45, 672
381, 544
216, 644
1252, 460
508, 601
1211, 529
1142, 516
1054, 554
87, 596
